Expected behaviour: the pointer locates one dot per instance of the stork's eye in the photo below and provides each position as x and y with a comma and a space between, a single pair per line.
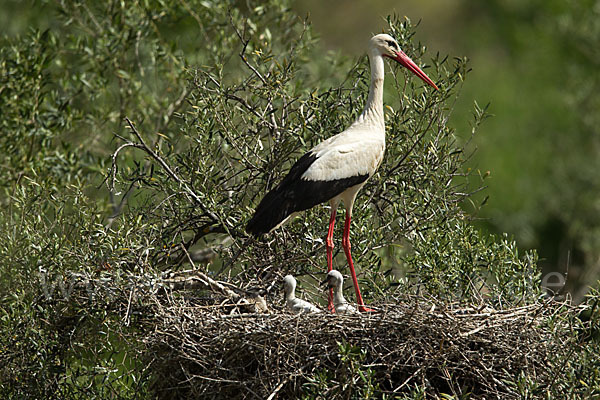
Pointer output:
392, 44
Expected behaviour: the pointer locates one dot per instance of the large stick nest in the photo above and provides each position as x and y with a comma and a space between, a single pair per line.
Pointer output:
218, 351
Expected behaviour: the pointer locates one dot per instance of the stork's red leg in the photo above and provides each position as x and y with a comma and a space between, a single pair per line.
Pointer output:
346, 246
329, 245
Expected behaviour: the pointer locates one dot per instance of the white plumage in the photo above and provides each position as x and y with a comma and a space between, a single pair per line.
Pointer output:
335, 281
348, 154
337, 168
292, 303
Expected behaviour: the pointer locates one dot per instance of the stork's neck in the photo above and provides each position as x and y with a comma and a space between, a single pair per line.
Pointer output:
290, 294
373, 112
338, 297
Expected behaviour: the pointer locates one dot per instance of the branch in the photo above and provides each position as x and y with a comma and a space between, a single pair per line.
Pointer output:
243, 52
142, 145
114, 161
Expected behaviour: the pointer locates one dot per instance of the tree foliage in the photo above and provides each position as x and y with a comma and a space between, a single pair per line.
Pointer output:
139, 136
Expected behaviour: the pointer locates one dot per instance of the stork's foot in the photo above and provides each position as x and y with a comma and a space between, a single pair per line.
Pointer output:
330, 307
366, 309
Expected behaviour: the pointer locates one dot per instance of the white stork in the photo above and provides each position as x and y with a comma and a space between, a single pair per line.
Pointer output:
292, 303
335, 282
337, 168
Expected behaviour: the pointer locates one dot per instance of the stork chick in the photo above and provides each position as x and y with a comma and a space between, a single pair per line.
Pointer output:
292, 303
335, 281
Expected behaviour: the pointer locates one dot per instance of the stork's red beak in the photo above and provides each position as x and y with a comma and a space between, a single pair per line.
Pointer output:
407, 63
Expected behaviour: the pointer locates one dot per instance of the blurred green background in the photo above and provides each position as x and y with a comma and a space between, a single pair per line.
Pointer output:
537, 62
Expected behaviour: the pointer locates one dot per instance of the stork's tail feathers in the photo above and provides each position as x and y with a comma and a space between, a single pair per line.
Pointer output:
273, 210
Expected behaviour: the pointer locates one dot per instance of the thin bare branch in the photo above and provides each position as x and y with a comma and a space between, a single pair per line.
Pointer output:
142, 145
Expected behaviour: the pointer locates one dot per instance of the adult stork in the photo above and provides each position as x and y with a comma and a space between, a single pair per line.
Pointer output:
338, 167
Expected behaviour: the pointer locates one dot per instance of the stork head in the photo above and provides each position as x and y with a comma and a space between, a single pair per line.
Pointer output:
334, 279
386, 46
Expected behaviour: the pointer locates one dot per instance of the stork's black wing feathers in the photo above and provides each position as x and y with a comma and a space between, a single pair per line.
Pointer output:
294, 194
